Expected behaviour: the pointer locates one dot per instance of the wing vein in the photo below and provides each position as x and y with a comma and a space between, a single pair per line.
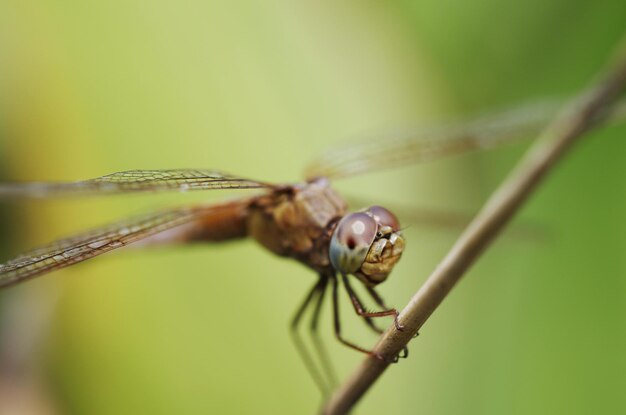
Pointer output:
78, 248
134, 181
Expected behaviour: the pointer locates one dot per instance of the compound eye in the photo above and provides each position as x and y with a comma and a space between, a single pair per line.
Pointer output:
384, 217
351, 241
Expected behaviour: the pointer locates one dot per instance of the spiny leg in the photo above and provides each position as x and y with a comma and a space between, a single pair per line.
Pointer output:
356, 302
317, 342
381, 303
358, 307
302, 350
337, 323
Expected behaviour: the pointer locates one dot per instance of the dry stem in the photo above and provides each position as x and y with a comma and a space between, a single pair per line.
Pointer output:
586, 111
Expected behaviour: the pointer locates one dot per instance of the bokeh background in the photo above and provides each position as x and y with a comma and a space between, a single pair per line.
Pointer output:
258, 88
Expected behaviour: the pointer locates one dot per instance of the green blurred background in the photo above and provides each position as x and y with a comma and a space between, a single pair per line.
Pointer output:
258, 88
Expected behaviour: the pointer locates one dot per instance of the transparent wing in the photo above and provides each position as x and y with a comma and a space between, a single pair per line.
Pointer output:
134, 181
69, 251
426, 144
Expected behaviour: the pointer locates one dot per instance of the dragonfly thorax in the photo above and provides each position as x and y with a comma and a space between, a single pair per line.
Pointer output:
297, 221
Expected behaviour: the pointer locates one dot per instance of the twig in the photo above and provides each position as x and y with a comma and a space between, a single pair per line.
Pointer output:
587, 110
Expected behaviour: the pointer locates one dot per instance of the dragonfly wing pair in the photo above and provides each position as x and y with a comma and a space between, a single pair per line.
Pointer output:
360, 157
69, 251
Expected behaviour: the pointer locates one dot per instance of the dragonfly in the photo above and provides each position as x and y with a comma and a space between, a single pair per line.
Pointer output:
308, 221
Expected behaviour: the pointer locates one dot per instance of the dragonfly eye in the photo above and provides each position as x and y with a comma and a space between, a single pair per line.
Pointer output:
384, 217
351, 242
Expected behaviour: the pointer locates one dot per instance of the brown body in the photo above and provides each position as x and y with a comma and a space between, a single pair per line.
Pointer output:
292, 221
295, 221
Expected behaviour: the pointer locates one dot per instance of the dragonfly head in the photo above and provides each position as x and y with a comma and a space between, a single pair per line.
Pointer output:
367, 244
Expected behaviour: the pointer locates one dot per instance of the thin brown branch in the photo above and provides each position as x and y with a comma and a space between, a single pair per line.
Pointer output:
587, 110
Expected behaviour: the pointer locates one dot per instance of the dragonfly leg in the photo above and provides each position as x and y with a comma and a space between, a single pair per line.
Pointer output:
358, 305
381, 303
387, 311
337, 322
306, 357
317, 342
